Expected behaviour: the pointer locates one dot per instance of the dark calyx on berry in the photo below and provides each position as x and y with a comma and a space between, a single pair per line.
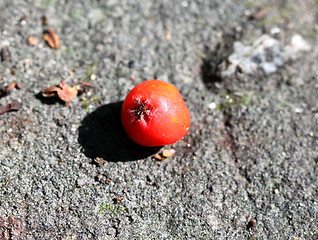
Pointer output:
142, 109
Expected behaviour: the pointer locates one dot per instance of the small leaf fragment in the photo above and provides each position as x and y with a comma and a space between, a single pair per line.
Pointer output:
33, 40
164, 154
66, 93
12, 86
62, 91
83, 88
51, 38
4, 91
157, 156
99, 161
50, 91
168, 153
13, 106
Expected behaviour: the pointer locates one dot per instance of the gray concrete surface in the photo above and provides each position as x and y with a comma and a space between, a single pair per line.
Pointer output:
246, 170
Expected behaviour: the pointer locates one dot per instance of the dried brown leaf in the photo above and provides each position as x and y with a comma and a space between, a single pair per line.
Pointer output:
157, 156
4, 91
51, 38
13, 106
12, 86
67, 94
50, 91
62, 91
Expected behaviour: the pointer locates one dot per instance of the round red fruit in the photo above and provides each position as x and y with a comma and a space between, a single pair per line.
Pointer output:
154, 114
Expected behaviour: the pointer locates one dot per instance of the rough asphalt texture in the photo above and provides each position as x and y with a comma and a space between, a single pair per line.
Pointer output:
247, 169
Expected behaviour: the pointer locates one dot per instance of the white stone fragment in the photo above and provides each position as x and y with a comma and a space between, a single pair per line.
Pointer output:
299, 110
268, 67
299, 44
81, 181
212, 105
264, 53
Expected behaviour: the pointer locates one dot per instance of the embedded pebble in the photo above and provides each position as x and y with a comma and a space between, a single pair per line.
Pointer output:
81, 182
264, 53
212, 105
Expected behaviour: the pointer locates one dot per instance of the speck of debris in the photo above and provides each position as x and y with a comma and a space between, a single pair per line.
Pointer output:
168, 153
99, 161
131, 64
251, 224
103, 179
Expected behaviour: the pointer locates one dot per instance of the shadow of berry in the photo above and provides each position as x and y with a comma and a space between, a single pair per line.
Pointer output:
101, 135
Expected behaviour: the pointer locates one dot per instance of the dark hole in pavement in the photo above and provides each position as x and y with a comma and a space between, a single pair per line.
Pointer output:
210, 71
101, 135
215, 59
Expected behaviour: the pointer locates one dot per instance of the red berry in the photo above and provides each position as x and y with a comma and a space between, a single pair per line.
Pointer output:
154, 114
